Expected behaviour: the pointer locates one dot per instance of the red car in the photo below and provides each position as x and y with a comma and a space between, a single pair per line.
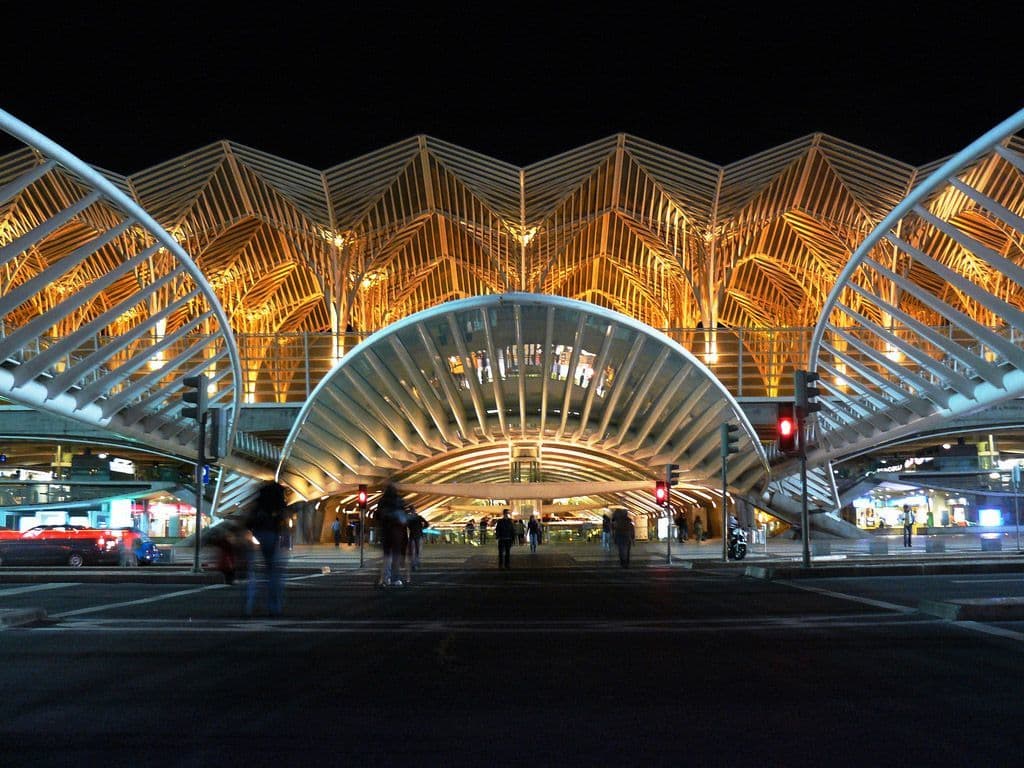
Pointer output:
73, 545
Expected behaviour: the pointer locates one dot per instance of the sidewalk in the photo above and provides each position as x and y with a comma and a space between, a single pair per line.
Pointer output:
780, 553
781, 558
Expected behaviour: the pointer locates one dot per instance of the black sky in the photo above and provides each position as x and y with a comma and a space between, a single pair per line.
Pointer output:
126, 88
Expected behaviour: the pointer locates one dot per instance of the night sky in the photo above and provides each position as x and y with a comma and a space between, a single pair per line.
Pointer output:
126, 88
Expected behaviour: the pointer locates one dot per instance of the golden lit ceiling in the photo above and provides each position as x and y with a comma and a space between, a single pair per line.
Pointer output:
642, 229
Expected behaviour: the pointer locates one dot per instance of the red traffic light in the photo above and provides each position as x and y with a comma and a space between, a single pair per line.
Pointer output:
362, 496
660, 492
786, 428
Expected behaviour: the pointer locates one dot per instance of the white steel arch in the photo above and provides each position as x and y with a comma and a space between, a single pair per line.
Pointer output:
121, 312
926, 326
449, 401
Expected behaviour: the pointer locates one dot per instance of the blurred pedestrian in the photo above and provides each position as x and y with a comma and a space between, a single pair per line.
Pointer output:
908, 524
230, 538
533, 530
416, 524
680, 522
484, 522
336, 530
266, 522
684, 528
504, 532
393, 532
520, 532
606, 532
128, 556
623, 531
698, 529
470, 532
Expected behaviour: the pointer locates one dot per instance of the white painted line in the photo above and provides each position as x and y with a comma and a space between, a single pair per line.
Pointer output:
990, 630
35, 588
156, 599
1017, 580
483, 626
854, 598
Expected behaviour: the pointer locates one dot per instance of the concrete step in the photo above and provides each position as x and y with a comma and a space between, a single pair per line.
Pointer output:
975, 609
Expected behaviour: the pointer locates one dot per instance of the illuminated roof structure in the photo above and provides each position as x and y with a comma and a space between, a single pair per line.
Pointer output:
715, 256
518, 396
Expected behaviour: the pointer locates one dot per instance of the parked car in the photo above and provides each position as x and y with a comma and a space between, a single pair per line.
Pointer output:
74, 545
75, 551
8, 533
61, 532
145, 549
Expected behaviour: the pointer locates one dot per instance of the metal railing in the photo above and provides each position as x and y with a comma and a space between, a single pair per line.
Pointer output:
750, 362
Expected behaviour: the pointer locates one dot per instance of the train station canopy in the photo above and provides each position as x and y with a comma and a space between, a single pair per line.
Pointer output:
519, 396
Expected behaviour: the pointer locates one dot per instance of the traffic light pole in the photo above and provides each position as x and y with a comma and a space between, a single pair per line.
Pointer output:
806, 403
729, 445
1016, 499
725, 514
362, 532
805, 528
668, 511
200, 462
195, 407
361, 500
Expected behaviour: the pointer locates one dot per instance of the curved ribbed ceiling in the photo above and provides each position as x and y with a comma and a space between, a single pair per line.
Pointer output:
517, 396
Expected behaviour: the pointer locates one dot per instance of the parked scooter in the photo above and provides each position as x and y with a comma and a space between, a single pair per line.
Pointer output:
737, 543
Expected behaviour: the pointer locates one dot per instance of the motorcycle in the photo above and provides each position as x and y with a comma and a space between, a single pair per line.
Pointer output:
737, 544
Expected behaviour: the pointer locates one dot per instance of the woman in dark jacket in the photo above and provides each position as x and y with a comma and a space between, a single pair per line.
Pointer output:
266, 521
394, 533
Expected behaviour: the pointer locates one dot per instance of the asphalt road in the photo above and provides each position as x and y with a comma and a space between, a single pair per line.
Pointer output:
558, 664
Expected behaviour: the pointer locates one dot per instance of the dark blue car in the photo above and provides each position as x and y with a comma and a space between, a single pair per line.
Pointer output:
146, 552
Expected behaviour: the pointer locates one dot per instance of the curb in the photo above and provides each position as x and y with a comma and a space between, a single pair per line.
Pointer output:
978, 609
120, 576
878, 569
15, 617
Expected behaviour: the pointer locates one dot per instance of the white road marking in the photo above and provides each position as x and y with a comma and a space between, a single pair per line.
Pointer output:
35, 588
141, 601
1017, 580
988, 629
969, 625
426, 626
854, 598
158, 598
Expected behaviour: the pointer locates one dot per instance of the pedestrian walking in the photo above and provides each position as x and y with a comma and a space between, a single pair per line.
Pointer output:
128, 549
698, 529
336, 530
684, 528
505, 533
470, 531
533, 530
680, 522
623, 532
484, 522
606, 532
908, 525
266, 521
416, 524
393, 533
520, 532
